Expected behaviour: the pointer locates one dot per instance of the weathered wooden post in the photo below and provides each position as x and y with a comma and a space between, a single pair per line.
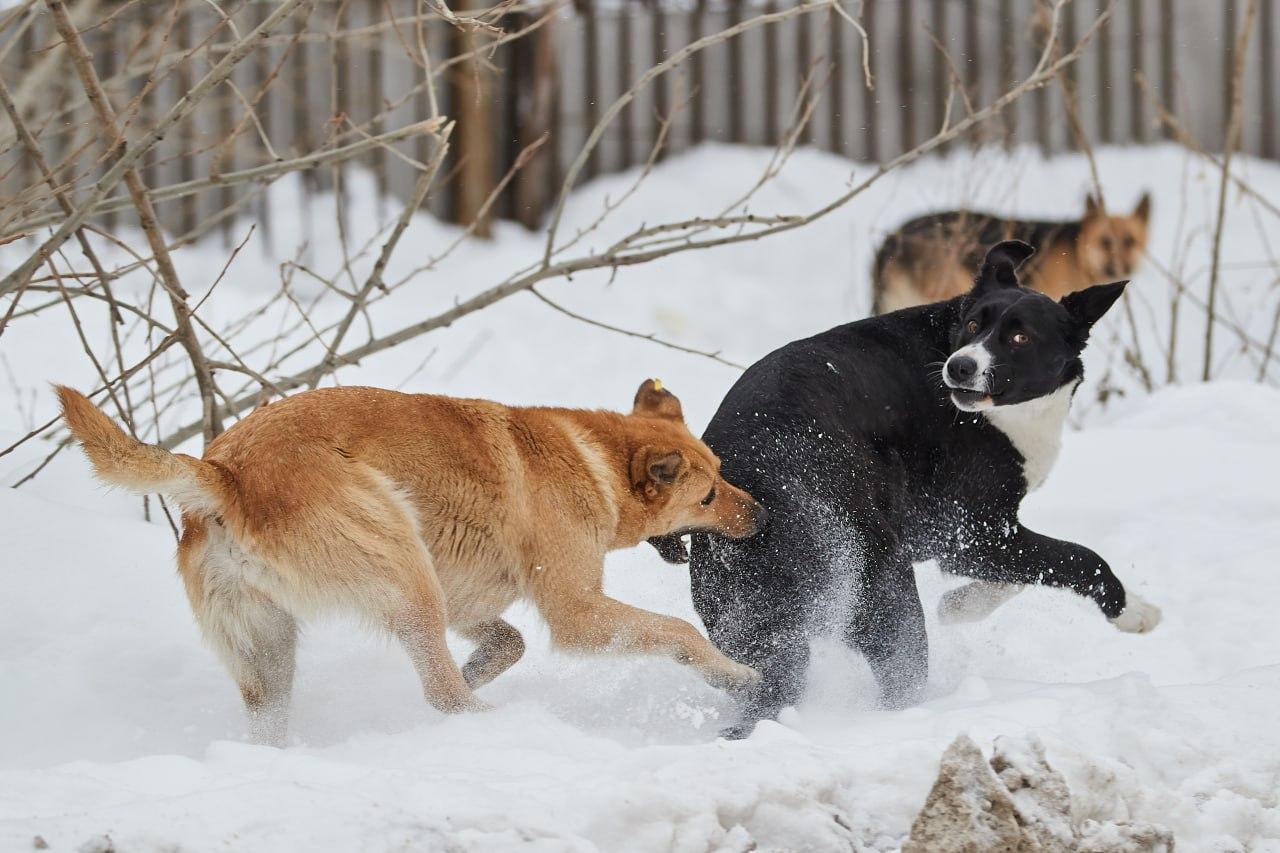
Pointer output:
472, 83
537, 82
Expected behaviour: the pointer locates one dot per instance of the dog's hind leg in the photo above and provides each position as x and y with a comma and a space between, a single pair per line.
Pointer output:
263, 641
372, 550
254, 637
975, 601
420, 626
755, 602
500, 646
887, 626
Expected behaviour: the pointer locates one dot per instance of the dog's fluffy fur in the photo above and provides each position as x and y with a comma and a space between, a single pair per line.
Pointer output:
420, 513
886, 442
931, 258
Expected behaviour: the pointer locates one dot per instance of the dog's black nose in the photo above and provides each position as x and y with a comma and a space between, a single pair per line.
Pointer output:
961, 368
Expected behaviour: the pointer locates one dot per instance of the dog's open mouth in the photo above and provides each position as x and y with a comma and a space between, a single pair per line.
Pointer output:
965, 398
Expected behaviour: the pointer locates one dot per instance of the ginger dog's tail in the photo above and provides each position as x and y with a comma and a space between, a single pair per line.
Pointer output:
196, 485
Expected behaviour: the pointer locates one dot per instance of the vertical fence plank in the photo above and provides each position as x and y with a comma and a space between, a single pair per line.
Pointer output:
1228, 57
591, 54
473, 97
553, 165
224, 157
698, 126
1072, 76
1168, 72
1008, 68
835, 93
1267, 104
661, 99
734, 78
1044, 126
941, 70
626, 119
186, 129
262, 68
973, 62
340, 105
1137, 67
804, 65
377, 97
906, 73
871, 146
1103, 96
112, 48
27, 174
772, 121
536, 80
301, 139
508, 136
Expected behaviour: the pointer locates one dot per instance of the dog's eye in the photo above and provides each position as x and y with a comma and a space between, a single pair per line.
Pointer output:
1020, 338
1129, 242
971, 327
1106, 243
711, 495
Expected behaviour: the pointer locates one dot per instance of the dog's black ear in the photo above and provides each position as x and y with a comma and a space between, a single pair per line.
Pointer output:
1000, 266
1087, 306
670, 548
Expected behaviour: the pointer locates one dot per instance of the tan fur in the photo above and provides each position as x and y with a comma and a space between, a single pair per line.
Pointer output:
932, 258
422, 513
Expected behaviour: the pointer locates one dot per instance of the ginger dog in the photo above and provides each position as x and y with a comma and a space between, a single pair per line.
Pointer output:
932, 257
423, 513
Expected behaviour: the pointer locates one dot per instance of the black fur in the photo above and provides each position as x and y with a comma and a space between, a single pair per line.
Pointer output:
866, 465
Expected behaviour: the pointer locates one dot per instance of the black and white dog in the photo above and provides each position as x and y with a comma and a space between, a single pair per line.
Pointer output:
896, 439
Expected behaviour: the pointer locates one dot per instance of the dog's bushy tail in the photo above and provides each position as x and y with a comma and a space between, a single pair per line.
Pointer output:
120, 460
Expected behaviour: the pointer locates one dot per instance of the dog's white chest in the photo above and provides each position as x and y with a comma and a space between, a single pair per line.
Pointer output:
1035, 429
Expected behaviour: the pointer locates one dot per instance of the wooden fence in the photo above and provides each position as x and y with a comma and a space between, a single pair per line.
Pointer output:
561, 79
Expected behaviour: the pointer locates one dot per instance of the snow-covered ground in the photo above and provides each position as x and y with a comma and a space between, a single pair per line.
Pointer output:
115, 722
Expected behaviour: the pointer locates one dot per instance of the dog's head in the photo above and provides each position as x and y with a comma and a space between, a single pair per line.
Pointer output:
1012, 344
677, 478
1111, 247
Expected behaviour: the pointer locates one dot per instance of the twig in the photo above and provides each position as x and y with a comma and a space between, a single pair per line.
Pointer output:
83, 63
133, 153
1232, 142
651, 338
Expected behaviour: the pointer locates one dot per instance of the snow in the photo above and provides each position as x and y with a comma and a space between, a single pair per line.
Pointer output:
116, 723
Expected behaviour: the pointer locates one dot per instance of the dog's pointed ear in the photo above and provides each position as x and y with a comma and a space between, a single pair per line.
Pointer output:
1000, 266
655, 401
1093, 207
1143, 211
655, 468
1087, 306
670, 548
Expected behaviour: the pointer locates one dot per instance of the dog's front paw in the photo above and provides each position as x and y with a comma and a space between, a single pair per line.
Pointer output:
733, 676
1139, 616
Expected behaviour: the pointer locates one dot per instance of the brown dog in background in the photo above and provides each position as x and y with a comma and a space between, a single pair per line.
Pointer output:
932, 258
419, 513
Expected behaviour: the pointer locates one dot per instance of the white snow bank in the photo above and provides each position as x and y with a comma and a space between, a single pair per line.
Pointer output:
115, 721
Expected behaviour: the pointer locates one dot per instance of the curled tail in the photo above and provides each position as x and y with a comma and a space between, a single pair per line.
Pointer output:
196, 485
